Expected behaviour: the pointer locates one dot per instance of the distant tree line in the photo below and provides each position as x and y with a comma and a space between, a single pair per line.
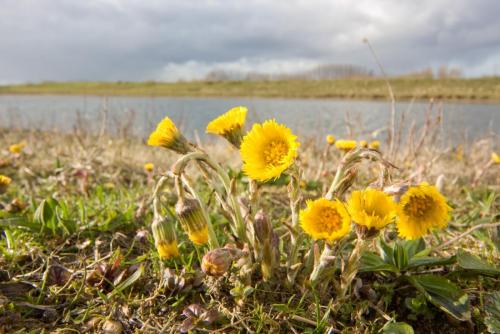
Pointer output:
327, 72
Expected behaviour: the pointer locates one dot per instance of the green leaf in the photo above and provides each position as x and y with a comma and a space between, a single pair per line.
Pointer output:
414, 247
397, 328
473, 263
430, 261
371, 262
128, 282
443, 294
386, 252
400, 256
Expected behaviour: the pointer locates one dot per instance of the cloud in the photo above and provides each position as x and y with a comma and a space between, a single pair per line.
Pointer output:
168, 40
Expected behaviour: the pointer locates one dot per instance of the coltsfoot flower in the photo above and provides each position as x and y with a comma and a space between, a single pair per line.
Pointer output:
374, 145
229, 125
371, 208
421, 209
17, 148
345, 145
363, 143
167, 135
165, 238
330, 139
149, 167
325, 220
5, 181
268, 150
495, 158
192, 220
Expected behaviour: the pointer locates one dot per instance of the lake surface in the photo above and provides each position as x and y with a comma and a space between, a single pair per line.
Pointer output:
306, 117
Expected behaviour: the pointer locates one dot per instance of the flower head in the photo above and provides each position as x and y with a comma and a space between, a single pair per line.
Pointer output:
17, 148
193, 220
325, 220
229, 125
421, 209
345, 145
167, 250
363, 143
165, 239
5, 181
167, 135
495, 158
149, 167
268, 150
330, 139
371, 208
217, 262
374, 145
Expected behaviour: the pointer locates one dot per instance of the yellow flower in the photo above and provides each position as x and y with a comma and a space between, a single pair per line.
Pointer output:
167, 135
167, 250
5, 181
371, 208
495, 158
363, 143
149, 167
229, 125
17, 148
165, 239
268, 150
193, 220
374, 145
345, 145
330, 139
421, 209
325, 220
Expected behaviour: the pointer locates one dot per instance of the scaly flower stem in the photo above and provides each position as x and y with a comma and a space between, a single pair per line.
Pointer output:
296, 238
351, 269
324, 261
181, 164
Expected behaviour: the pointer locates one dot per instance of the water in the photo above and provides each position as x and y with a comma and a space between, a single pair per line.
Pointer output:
306, 117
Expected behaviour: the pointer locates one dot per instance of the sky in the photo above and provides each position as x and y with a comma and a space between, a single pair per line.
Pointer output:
169, 40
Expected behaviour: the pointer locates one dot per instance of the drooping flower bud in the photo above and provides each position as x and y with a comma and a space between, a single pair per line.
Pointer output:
265, 236
165, 239
193, 220
217, 262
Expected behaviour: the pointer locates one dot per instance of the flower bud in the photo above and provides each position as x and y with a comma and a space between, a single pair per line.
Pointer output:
193, 220
5, 181
266, 241
262, 226
363, 143
165, 239
330, 139
374, 145
217, 262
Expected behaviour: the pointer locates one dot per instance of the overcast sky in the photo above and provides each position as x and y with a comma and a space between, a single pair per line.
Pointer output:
170, 40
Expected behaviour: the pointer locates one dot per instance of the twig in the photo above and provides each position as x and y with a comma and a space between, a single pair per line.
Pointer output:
469, 231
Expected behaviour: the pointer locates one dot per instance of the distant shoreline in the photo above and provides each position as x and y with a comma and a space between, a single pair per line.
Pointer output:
482, 90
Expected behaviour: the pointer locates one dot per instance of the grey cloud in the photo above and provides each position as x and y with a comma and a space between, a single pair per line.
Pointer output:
137, 40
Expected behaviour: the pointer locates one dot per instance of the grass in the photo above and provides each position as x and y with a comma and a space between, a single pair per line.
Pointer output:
79, 209
482, 89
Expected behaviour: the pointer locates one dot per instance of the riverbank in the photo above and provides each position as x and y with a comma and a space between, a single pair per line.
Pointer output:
480, 89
